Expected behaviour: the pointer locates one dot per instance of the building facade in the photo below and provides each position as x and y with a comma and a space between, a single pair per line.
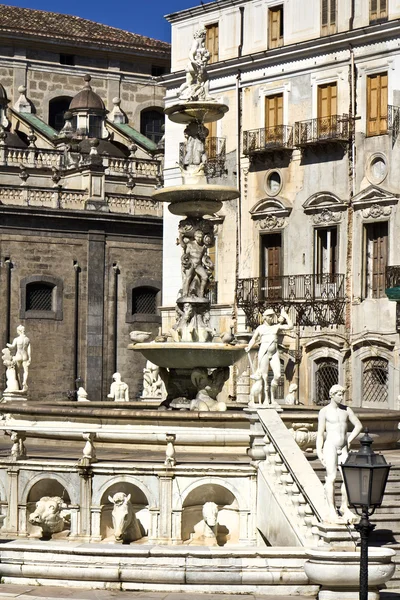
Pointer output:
312, 132
80, 237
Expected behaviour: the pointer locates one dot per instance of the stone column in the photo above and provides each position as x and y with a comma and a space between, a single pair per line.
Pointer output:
96, 521
86, 502
12, 512
165, 524
95, 315
177, 526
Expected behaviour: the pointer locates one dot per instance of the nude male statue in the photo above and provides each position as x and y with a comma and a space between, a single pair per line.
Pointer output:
21, 347
194, 262
268, 355
332, 451
119, 391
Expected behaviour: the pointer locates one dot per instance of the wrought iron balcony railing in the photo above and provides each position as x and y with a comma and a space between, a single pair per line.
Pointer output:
268, 139
336, 128
313, 299
215, 148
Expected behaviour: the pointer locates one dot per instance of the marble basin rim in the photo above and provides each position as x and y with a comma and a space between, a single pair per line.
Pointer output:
189, 355
335, 568
198, 192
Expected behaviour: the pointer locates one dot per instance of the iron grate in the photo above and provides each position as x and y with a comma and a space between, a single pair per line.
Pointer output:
39, 296
144, 301
327, 375
375, 381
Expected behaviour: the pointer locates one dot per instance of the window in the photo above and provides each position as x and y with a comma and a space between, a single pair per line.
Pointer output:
325, 253
274, 119
377, 104
375, 381
151, 124
271, 252
144, 301
212, 42
326, 375
67, 59
95, 126
328, 17
41, 297
327, 109
377, 11
275, 24
57, 107
375, 258
157, 70
143, 298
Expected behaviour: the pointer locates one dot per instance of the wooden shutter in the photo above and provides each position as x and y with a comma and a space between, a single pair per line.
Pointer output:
212, 36
377, 103
332, 13
377, 10
271, 266
324, 13
274, 110
275, 27
379, 258
328, 17
327, 100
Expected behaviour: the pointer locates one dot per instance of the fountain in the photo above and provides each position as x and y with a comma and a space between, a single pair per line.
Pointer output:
186, 360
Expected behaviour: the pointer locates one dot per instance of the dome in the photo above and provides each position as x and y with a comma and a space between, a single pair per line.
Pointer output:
3, 96
87, 99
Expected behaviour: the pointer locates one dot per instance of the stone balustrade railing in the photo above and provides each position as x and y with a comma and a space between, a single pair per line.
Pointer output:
287, 482
138, 167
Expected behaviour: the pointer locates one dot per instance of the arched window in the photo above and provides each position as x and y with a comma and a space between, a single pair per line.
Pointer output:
57, 107
41, 297
375, 381
326, 375
151, 123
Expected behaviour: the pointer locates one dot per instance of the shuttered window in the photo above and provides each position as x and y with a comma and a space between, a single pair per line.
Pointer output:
274, 118
377, 10
271, 253
377, 104
275, 24
327, 108
375, 258
328, 17
212, 42
325, 253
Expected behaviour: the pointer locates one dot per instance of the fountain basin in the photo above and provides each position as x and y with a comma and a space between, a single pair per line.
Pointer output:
204, 111
190, 355
195, 199
338, 571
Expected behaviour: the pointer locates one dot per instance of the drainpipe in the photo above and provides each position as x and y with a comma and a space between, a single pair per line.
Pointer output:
76, 323
240, 48
352, 13
115, 319
9, 266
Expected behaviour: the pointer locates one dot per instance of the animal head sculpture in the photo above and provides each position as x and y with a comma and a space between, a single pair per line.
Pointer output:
126, 527
210, 514
48, 515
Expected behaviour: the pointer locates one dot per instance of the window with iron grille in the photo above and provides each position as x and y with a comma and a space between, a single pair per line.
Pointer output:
39, 296
144, 301
375, 381
326, 375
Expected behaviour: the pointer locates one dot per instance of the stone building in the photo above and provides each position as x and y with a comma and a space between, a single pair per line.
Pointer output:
80, 238
312, 132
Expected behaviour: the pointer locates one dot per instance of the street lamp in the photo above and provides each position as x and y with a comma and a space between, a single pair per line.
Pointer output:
365, 475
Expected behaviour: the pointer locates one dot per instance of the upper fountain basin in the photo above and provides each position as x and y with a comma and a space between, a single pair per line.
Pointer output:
195, 199
189, 355
206, 111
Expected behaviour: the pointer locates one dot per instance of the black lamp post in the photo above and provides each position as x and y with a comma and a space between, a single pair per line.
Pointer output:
365, 475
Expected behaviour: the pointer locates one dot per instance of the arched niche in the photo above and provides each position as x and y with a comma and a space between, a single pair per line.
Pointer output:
44, 487
228, 512
139, 502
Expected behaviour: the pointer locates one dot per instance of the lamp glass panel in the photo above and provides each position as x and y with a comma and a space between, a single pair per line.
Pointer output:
378, 484
358, 480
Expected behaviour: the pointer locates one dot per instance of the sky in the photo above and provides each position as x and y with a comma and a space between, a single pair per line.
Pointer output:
138, 16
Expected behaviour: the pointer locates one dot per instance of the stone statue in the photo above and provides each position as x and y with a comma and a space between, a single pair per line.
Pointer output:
205, 332
18, 450
332, 451
196, 265
48, 516
82, 395
153, 385
268, 355
209, 386
125, 523
195, 139
185, 329
12, 384
206, 532
20, 350
291, 398
119, 391
256, 390
196, 84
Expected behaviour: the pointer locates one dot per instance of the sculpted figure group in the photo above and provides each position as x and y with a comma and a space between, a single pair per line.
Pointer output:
17, 358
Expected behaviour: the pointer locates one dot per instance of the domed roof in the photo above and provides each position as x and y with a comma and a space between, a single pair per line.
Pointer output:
87, 98
3, 96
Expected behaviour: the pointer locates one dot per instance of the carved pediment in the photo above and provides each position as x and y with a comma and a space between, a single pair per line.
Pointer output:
374, 196
323, 201
268, 207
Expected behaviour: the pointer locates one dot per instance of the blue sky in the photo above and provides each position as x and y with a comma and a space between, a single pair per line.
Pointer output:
139, 16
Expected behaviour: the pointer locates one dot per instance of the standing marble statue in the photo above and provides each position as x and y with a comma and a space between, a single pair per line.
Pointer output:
17, 358
332, 448
196, 84
119, 391
268, 354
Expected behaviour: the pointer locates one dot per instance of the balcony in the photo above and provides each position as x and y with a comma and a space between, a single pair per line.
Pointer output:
311, 299
258, 141
215, 148
324, 130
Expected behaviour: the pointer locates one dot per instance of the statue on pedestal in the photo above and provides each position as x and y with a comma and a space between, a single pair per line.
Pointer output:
196, 85
20, 351
119, 391
268, 355
332, 448
153, 385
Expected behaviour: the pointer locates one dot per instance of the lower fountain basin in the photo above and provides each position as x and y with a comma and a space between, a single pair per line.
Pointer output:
189, 355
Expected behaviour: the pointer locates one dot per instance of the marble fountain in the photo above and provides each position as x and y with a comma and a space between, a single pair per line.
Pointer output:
208, 499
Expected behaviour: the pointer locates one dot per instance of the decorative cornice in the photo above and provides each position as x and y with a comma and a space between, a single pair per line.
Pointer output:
374, 196
376, 211
267, 207
322, 201
271, 222
326, 216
